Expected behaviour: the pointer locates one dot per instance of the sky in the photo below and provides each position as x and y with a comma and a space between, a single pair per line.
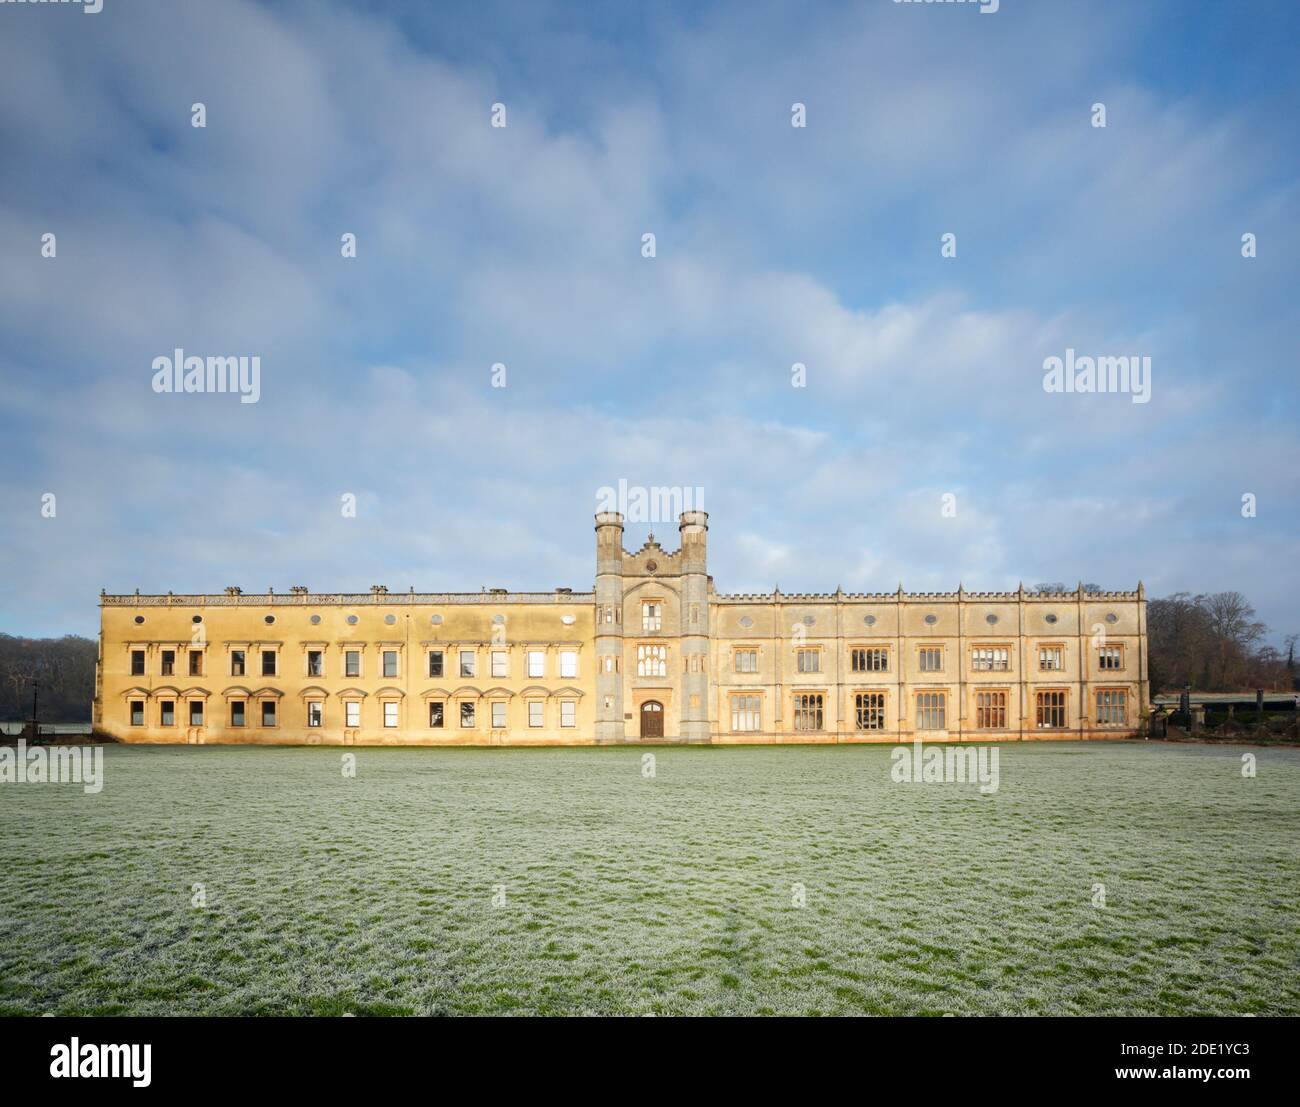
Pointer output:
918, 445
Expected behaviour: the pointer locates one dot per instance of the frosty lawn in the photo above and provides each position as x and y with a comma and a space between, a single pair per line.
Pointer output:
565, 882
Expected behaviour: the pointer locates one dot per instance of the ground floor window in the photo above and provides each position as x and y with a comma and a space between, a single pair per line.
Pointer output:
437, 713
808, 711
137, 712
1112, 707
932, 711
1050, 708
467, 715
498, 716
167, 713
535, 712
315, 712
196, 712
568, 713
869, 709
352, 713
746, 713
990, 710
268, 712
237, 708
390, 714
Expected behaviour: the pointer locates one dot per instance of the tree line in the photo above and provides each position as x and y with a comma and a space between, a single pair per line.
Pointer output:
1214, 643
64, 668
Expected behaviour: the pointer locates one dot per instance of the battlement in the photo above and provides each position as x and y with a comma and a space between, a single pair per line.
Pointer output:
960, 596
342, 599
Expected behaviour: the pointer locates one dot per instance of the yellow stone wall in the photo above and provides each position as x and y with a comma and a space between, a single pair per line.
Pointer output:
482, 624
698, 630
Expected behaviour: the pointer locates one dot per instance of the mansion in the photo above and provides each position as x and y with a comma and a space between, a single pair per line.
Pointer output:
654, 653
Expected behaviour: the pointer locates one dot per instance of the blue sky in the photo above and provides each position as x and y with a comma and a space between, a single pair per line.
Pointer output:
522, 245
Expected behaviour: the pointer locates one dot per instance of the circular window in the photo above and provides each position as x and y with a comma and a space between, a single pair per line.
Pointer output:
568, 620
436, 620
390, 619
652, 565
990, 619
197, 619
498, 619
1051, 618
746, 621
870, 620
352, 620
139, 618
270, 618
931, 619
1112, 618
808, 620
315, 619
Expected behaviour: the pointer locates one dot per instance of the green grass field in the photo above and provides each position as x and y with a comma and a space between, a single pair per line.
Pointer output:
674, 895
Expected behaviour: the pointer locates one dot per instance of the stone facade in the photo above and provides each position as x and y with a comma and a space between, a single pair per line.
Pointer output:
654, 653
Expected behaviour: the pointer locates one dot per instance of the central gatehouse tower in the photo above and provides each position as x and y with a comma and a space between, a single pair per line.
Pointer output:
652, 634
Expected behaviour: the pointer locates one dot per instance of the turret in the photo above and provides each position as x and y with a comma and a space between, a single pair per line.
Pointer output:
609, 626
694, 528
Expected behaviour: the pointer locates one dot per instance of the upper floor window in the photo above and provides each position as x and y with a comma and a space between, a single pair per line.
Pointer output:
500, 663
236, 662
990, 659
390, 664
1110, 657
652, 661
931, 659
1050, 659
168, 662
137, 662
870, 659
652, 615
746, 662
568, 663
466, 670
435, 663
808, 661
352, 663
196, 662
536, 663
315, 663
268, 662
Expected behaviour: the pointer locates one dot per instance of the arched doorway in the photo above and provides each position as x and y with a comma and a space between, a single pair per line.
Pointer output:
652, 719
